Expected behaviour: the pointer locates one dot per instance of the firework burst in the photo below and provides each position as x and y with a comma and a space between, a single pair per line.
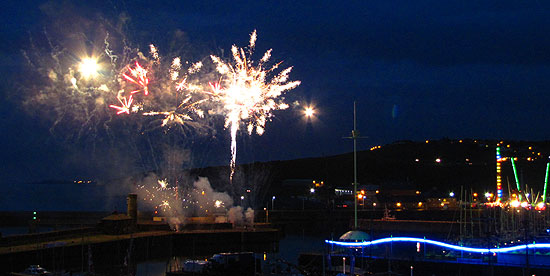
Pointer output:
247, 93
172, 98
115, 78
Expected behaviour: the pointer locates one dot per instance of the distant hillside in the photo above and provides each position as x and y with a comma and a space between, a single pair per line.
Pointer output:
401, 165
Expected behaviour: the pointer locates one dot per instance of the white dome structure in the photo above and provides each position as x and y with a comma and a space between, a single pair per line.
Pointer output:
355, 235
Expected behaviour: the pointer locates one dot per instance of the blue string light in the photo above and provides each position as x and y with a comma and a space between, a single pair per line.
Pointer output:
441, 244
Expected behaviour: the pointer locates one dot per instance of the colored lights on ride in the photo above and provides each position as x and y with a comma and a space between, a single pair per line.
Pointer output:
499, 179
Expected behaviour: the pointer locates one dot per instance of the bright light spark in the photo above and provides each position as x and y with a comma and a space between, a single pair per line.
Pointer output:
88, 67
218, 203
247, 93
175, 68
309, 111
165, 205
162, 183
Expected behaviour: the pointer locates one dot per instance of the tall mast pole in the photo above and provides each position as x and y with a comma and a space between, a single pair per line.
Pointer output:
354, 136
545, 182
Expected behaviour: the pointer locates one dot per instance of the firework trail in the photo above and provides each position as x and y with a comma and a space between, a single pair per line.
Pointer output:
247, 93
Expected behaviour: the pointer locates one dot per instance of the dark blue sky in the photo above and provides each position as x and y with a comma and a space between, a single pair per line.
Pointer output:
417, 69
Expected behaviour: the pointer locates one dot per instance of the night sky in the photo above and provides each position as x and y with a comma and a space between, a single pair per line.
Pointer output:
417, 69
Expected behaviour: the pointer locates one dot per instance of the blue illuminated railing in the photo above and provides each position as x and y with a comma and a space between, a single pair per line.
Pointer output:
442, 244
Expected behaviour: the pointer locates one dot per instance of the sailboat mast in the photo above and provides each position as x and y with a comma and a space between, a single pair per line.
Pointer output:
354, 135
545, 183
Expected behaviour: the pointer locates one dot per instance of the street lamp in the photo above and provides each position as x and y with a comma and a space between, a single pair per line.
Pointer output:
273, 203
361, 196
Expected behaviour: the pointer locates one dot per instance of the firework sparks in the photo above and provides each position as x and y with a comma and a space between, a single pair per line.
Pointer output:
188, 104
162, 196
126, 105
163, 183
247, 93
170, 117
138, 75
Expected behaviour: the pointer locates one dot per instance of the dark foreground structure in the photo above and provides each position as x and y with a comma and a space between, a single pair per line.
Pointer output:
118, 254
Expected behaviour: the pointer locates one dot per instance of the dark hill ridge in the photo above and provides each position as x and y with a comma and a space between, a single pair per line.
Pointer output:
401, 165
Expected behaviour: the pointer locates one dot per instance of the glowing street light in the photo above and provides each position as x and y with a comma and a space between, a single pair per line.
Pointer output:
273, 203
